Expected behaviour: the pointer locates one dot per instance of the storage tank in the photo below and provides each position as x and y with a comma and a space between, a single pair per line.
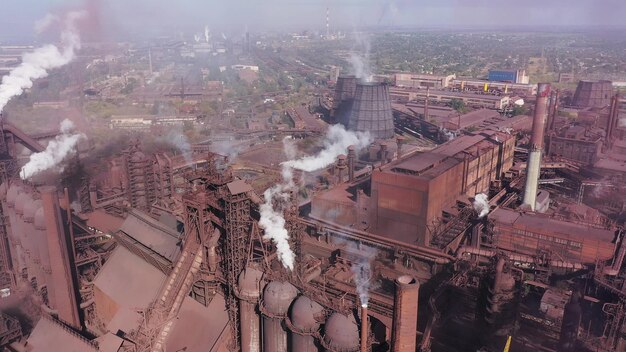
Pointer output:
249, 294
371, 111
341, 333
305, 318
277, 298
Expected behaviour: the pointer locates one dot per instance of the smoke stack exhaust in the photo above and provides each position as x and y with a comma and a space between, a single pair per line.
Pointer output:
364, 329
536, 146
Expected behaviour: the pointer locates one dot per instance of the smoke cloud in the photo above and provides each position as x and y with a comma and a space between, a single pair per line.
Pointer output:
362, 271
37, 63
181, 142
56, 151
360, 58
336, 143
277, 198
481, 204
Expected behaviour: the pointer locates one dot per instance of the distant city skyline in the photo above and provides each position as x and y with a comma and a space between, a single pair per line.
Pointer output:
146, 17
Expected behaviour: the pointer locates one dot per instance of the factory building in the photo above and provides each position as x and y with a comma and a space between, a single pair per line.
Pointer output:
487, 101
414, 80
468, 84
510, 76
431, 182
576, 143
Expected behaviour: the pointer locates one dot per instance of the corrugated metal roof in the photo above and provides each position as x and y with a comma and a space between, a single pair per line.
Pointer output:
198, 328
238, 186
152, 234
49, 336
130, 282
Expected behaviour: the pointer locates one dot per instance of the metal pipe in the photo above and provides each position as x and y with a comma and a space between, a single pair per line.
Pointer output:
351, 162
536, 145
405, 314
364, 328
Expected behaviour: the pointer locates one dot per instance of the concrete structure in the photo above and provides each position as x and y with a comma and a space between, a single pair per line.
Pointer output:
470, 99
576, 143
536, 146
593, 94
405, 315
371, 111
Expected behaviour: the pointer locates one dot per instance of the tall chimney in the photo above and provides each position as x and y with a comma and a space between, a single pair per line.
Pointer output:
536, 145
383, 153
613, 116
364, 328
399, 142
341, 166
351, 162
405, 314
551, 111
554, 111
426, 104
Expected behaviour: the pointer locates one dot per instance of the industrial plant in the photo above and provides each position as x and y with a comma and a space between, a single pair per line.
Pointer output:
210, 192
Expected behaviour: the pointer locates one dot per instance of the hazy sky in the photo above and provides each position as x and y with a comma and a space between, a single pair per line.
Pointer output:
115, 17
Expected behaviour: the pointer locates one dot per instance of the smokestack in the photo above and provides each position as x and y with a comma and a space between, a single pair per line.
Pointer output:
613, 114
351, 162
364, 329
554, 111
426, 104
536, 145
383, 153
341, 167
399, 142
405, 314
550, 111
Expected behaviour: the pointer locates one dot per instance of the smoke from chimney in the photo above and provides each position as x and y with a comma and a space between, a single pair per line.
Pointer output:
481, 204
37, 63
277, 198
56, 151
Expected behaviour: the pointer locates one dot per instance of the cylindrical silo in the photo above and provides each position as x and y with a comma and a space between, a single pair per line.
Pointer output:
249, 294
405, 314
305, 318
277, 298
371, 110
341, 333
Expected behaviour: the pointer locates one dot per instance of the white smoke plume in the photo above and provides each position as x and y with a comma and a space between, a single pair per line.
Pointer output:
277, 198
37, 63
54, 154
336, 143
449, 134
206, 34
481, 204
362, 270
360, 58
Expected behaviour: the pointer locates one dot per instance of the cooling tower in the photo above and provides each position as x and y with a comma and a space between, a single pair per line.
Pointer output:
371, 110
593, 94
343, 99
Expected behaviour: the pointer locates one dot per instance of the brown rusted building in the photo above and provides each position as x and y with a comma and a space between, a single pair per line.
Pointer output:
529, 233
409, 195
576, 143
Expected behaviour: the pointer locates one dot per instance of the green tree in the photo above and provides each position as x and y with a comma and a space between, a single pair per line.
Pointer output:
519, 110
457, 104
